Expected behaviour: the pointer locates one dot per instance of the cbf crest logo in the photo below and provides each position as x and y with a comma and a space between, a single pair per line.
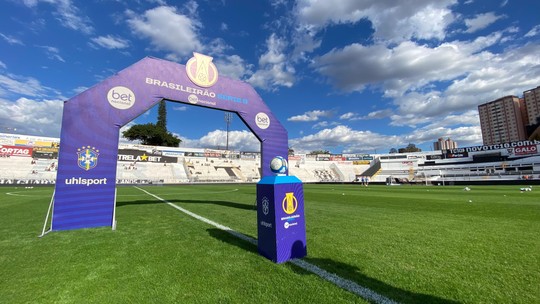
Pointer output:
201, 70
87, 157
289, 203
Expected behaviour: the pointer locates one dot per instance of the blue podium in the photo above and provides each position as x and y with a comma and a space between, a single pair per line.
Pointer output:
281, 226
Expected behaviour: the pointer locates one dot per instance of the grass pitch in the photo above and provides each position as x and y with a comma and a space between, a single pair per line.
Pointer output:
412, 244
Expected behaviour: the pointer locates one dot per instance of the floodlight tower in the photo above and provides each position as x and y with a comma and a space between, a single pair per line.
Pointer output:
228, 119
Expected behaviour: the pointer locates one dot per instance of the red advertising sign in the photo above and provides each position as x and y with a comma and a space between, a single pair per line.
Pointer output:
524, 150
15, 151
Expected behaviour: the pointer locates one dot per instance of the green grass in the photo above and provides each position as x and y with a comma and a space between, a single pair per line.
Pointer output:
413, 244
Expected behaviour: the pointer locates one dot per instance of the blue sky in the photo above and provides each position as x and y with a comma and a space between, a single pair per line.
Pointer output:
348, 76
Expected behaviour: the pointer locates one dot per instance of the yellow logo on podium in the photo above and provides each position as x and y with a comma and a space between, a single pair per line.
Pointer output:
201, 70
290, 203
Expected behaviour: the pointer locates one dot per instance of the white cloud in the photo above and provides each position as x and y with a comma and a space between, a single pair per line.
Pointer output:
110, 42
2, 65
67, 14
27, 86
274, 70
398, 69
52, 52
533, 32
238, 140
379, 114
464, 136
310, 116
233, 66
167, 30
11, 40
79, 89
481, 21
348, 116
324, 124
180, 108
344, 139
32, 117
423, 19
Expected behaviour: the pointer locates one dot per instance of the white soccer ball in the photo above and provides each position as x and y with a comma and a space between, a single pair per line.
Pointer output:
278, 165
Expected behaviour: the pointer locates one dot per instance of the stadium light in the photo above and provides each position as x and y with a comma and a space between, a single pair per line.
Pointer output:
228, 119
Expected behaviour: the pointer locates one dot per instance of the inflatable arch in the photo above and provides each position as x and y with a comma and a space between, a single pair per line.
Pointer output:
85, 190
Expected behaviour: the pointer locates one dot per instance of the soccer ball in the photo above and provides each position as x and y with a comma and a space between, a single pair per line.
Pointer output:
278, 165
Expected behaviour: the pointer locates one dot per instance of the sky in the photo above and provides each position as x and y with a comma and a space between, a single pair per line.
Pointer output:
347, 76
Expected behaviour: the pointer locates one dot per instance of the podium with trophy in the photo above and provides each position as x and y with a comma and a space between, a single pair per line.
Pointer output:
280, 215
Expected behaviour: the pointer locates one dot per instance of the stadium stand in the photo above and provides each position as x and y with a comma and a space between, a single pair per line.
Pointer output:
32, 160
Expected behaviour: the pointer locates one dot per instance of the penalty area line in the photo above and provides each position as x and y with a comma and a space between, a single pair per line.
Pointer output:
348, 285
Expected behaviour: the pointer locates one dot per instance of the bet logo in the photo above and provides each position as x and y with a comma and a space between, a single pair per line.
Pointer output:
121, 98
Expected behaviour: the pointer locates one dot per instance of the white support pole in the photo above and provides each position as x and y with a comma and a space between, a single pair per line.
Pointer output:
114, 211
43, 232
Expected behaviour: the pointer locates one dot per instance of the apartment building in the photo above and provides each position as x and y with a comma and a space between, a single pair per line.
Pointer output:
503, 120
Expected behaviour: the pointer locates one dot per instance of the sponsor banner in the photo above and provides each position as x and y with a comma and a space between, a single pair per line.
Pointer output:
456, 155
44, 154
337, 158
172, 153
35, 143
213, 153
294, 157
15, 151
323, 158
324, 155
46, 149
514, 144
133, 181
249, 155
130, 155
431, 157
353, 158
361, 162
526, 150
7, 181
367, 157
194, 154
407, 163
415, 156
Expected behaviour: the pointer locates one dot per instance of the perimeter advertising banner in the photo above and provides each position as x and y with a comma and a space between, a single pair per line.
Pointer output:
15, 151
132, 155
86, 179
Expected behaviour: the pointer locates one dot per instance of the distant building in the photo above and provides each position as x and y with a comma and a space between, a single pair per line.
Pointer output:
503, 120
444, 144
532, 105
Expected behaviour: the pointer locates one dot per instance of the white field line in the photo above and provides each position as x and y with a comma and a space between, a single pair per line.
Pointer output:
348, 285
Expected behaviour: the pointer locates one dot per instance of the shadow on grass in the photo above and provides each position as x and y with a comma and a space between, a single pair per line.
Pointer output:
226, 237
353, 273
138, 202
346, 271
219, 203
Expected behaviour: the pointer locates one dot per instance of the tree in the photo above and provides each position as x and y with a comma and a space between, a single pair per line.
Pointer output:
152, 135
291, 151
409, 148
162, 116
319, 152
393, 150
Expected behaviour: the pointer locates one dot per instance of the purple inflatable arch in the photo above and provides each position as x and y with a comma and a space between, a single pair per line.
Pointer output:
86, 179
